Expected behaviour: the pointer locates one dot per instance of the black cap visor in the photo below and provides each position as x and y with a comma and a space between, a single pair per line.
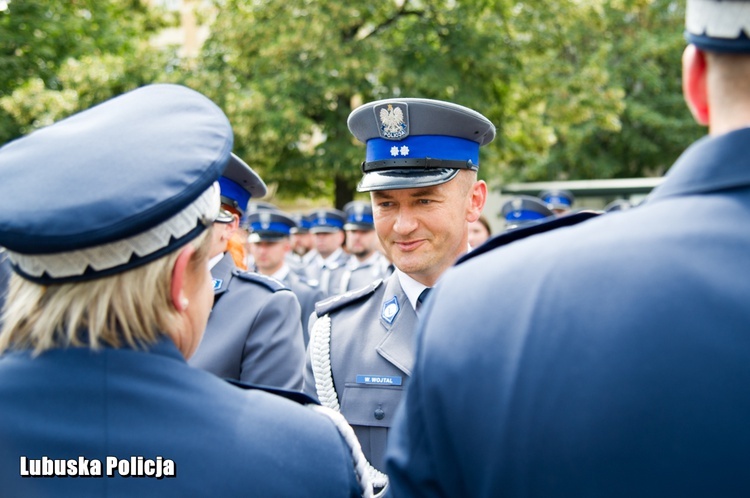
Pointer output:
403, 178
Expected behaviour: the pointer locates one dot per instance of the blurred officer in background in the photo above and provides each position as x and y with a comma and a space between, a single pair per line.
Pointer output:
303, 251
479, 231
421, 171
269, 244
111, 294
252, 207
327, 227
618, 205
252, 335
303, 245
558, 201
618, 366
522, 210
366, 263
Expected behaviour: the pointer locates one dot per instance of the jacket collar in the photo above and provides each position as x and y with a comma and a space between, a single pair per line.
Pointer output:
711, 164
222, 273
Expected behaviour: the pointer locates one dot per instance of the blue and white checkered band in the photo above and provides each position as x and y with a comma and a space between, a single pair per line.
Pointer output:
393, 120
390, 310
274, 226
423, 146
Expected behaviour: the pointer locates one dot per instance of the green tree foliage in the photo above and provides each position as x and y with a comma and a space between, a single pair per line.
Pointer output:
577, 89
289, 73
60, 56
627, 51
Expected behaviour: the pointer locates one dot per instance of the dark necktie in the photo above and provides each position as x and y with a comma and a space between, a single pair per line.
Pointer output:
422, 296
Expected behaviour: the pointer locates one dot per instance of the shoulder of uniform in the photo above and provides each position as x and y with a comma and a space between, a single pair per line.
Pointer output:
342, 300
506, 238
268, 282
307, 282
296, 396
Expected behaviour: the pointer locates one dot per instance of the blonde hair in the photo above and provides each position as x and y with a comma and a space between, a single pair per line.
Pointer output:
133, 307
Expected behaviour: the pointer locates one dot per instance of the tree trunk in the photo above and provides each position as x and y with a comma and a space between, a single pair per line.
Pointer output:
344, 191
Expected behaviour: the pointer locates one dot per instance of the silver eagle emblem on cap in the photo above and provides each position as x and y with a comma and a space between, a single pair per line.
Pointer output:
392, 121
265, 220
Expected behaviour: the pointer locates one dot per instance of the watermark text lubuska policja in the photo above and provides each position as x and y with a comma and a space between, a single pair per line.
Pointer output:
135, 466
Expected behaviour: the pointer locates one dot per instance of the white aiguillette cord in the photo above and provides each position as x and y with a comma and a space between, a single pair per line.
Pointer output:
320, 343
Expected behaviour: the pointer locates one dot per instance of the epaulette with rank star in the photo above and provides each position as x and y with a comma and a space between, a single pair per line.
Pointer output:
268, 282
337, 302
541, 226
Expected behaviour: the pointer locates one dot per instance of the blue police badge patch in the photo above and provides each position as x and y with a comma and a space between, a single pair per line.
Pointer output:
393, 120
390, 310
217, 283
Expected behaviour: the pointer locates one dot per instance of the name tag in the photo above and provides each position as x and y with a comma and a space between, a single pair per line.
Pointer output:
381, 380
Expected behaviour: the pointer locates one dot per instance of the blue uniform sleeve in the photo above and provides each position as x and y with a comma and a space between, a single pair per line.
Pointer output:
410, 457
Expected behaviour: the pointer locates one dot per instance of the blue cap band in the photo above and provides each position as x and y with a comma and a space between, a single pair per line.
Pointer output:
737, 45
421, 146
233, 191
524, 215
328, 222
553, 199
275, 226
365, 218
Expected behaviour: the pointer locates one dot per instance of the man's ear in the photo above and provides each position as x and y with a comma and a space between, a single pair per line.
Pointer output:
476, 201
695, 83
179, 300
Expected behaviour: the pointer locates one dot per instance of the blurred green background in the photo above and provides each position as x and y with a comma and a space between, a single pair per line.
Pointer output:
578, 89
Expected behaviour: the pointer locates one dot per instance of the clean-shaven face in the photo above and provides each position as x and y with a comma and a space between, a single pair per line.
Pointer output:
423, 230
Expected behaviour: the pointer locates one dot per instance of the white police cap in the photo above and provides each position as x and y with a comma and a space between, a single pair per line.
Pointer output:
113, 187
415, 142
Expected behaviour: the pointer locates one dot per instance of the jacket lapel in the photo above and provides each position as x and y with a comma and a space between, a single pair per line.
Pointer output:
398, 345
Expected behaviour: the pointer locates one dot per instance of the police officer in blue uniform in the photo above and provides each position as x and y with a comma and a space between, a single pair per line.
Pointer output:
327, 227
253, 334
619, 366
111, 293
302, 252
523, 209
269, 245
366, 263
421, 171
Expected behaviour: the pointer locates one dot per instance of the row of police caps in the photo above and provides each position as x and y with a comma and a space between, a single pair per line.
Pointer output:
266, 221
525, 209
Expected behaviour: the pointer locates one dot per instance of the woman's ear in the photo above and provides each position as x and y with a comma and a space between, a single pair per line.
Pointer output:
695, 83
179, 301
